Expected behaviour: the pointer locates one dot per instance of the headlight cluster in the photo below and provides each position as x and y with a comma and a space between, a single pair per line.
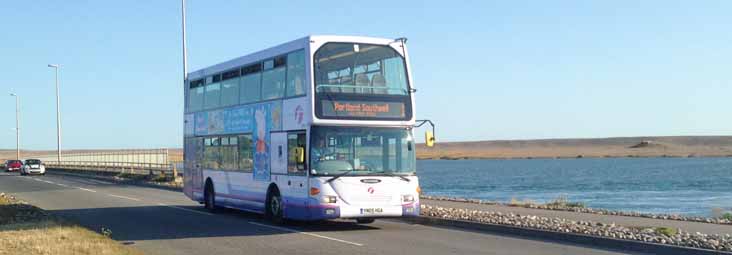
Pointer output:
329, 199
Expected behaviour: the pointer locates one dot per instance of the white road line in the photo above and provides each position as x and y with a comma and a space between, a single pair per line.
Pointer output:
62, 185
49, 182
304, 233
184, 209
34, 178
98, 181
124, 197
86, 189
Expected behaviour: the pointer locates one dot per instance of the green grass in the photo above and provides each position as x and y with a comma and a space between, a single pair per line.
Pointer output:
563, 202
727, 216
666, 231
525, 202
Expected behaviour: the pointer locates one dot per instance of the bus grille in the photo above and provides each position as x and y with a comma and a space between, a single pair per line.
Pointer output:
371, 199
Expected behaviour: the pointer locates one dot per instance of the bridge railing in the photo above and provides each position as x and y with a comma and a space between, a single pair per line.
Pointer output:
138, 161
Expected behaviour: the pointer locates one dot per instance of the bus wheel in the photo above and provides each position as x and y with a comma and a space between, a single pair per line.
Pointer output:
274, 207
209, 198
365, 220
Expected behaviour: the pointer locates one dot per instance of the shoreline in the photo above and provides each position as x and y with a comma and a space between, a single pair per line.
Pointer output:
663, 235
724, 220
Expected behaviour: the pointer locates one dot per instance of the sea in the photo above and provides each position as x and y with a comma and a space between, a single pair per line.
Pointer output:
684, 186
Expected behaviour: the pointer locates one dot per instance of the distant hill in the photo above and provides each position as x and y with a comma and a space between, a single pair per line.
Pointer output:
669, 146
650, 146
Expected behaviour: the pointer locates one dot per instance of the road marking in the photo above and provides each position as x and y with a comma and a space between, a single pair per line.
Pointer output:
34, 178
86, 189
97, 181
304, 233
62, 185
49, 182
185, 209
124, 197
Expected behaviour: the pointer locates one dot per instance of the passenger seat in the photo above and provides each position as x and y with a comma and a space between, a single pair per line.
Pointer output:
362, 80
379, 83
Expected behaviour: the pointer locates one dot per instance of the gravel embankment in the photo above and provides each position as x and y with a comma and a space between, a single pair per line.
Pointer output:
591, 210
653, 235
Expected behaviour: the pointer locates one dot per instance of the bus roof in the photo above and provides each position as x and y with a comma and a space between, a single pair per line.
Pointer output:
279, 50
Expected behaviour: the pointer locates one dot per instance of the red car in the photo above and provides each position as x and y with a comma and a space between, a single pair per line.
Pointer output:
13, 165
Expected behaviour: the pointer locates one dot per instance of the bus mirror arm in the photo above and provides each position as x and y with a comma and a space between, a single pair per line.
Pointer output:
429, 136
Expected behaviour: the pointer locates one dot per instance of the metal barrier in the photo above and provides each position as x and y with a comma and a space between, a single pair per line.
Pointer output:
143, 161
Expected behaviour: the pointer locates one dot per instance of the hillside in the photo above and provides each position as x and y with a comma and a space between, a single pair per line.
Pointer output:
668, 146
671, 146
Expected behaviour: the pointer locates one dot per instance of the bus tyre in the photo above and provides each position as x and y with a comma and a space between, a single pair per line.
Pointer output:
274, 207
365, 220
209, 198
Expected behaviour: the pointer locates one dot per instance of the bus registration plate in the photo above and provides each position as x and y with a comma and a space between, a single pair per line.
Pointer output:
371, 210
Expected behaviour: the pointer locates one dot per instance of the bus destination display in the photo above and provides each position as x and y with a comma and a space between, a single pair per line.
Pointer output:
362, 109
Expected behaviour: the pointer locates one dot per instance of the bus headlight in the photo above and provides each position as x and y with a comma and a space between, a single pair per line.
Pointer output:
407, 198
329, 199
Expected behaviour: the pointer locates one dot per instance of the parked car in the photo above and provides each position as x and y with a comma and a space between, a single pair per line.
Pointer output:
33, 166
13, 165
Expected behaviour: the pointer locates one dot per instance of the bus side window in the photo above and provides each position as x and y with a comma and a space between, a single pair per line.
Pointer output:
246, 158
296, 153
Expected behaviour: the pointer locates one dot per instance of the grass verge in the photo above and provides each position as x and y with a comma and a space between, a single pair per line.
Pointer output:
666, 231
727, 216
26, 229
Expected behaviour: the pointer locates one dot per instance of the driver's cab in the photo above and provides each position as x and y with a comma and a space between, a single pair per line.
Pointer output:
362, 151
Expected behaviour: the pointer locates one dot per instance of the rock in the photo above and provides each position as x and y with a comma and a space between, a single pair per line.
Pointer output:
718, 242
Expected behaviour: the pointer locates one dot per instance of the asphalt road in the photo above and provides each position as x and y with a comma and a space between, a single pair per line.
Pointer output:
166, 222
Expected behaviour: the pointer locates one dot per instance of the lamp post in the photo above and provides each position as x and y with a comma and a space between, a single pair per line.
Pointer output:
17, 125
58, 116
185, 50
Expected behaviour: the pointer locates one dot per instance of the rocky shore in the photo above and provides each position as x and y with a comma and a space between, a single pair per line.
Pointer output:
559, 207
644, 234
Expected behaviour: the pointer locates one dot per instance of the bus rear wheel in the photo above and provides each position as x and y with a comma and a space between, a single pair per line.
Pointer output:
365, 220
209, 198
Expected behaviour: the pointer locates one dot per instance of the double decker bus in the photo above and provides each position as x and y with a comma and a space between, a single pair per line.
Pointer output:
317, 128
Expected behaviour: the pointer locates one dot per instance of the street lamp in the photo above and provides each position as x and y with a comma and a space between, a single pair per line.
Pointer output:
17, 125
58, 116
185, 50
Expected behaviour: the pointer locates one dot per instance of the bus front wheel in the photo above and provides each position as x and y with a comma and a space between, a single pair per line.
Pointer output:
274, 207
365, 220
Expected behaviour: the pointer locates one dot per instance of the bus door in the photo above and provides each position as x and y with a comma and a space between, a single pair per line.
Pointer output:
290, 176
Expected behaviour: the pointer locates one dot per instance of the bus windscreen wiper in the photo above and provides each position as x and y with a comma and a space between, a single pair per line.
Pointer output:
397, 175
339, 175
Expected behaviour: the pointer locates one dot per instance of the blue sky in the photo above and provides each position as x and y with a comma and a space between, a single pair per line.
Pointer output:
484, 69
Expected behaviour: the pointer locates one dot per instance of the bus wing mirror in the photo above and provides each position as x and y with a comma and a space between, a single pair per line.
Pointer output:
429, 139
300, 155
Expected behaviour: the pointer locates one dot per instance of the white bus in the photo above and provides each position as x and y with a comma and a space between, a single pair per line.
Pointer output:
316, 128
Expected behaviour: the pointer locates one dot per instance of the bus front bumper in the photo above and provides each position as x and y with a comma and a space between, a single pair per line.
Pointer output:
347, 211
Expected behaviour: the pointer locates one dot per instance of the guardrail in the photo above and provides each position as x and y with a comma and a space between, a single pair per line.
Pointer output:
119, 167
143, 161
